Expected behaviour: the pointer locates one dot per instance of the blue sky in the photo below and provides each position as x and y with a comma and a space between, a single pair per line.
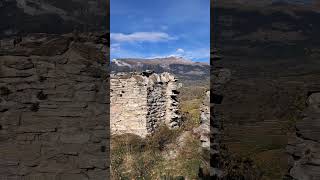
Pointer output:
148, 29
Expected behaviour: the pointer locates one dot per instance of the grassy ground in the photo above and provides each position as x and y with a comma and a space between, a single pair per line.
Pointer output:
265, 141
253, 150
133, 157
190, 101
264, 144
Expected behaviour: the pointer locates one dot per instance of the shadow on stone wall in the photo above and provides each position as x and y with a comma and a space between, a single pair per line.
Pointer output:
54, 107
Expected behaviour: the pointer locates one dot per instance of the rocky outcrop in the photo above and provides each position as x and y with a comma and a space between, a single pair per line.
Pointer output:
141, 102
304, 148
53, 108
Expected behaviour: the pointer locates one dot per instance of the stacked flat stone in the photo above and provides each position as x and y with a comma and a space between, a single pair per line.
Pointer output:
141, 102
53, 108
304, 147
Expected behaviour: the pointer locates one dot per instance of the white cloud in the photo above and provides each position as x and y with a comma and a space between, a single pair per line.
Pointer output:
180, 50
115, 47
141, 37
195, 54
198, 53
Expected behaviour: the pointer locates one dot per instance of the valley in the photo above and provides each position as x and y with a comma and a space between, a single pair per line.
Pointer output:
274, 67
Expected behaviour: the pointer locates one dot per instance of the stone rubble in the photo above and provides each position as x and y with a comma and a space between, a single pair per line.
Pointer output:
204, 129
304, 147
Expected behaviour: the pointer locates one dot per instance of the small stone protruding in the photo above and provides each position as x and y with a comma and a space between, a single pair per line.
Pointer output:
147, 73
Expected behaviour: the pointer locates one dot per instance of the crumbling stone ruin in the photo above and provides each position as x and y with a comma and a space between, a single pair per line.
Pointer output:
53, 108
204, 129
304, 147
141, 102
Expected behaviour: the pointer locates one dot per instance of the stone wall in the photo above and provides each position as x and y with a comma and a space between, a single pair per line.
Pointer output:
141, 102
219, 79
53, 108
204, 129
304, 147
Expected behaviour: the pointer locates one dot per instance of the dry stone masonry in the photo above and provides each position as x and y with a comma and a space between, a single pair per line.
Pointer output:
204, 129
53, 108
141, 102
304, 148
219, 78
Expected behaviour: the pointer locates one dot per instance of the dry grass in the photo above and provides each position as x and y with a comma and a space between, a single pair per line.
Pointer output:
133, 157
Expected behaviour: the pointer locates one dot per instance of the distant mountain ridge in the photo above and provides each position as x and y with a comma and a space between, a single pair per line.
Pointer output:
20, 17
273, 29
184, 69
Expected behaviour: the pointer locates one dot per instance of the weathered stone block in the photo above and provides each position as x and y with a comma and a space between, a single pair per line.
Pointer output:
54, 47
18, 63
40, 176
68, 176
89, 162
98, 174
86, 86
71, 149
53, 166
79, 138
304, 148
85, 96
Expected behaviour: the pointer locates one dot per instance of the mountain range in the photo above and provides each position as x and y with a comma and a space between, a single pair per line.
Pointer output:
266, 29
182, 68
19, 17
